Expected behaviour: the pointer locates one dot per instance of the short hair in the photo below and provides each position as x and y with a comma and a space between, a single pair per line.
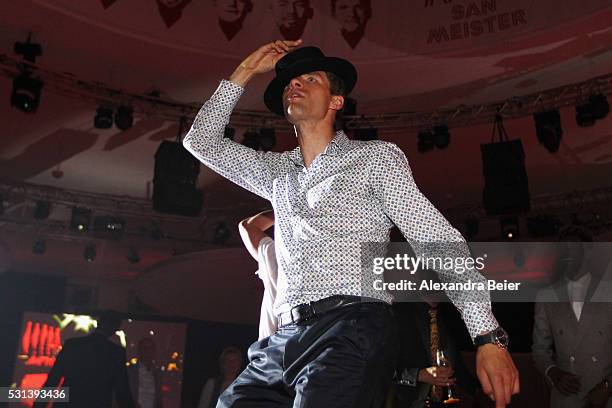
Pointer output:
367, 5
336, 84
109, 321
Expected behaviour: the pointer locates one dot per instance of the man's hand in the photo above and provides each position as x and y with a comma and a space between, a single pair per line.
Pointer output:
566, 383
497, 374
262, 60
598, 396
442, 376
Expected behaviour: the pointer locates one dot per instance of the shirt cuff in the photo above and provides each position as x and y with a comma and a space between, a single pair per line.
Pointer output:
409, 377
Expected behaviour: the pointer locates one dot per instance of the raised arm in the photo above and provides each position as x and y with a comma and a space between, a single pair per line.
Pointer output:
246, 167
252, 230
431, 235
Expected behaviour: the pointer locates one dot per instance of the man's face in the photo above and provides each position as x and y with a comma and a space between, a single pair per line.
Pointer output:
230, 10
307, 97
231, 364
351, 14
290, 13
146, 350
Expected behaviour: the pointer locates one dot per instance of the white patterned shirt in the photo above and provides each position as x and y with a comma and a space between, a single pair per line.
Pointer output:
352, 194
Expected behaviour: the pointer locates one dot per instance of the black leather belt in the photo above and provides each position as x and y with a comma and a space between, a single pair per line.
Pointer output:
306, 311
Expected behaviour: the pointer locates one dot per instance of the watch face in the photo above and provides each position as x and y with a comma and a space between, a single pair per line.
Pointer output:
501, 337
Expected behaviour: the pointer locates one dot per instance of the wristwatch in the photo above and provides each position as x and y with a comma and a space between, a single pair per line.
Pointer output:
497, 336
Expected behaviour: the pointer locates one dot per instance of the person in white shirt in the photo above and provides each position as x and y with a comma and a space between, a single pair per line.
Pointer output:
145, 377
572, 334
230, 363
261, 247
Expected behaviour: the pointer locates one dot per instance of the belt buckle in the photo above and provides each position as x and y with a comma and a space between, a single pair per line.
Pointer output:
307, 314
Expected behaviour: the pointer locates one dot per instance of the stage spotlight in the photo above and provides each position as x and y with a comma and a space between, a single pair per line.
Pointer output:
426, 141
104, 117
90, 253
42, 210
599, 106
365, 134
584, 115
124, 118
39, 247
509, 227
81, 217
548, 129
109, 227
221, 235
251, 139
133, 257
267, 139
26, 92
229, 132
441, 136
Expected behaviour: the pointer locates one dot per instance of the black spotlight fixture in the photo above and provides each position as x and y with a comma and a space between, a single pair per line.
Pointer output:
26, 92
509, 227
548, 129
599, 106
124, 118
39, 247
28, 50
106, 226
229, 132
251, 139
441, 136
80, 220
267, 139
584, 115
366, 134
221, 235
425, 141
90, 253
42, 210
104, 117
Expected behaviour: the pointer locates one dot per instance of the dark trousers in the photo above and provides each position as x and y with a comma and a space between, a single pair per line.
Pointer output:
345, 358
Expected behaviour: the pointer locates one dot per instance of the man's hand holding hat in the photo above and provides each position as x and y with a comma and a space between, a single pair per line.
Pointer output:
262, 60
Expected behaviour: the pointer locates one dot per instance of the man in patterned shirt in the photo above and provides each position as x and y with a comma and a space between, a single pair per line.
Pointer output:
336, 344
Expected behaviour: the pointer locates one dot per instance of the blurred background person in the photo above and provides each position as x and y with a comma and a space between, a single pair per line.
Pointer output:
261, 247
571, 335
145, 377
93, 368
230, 363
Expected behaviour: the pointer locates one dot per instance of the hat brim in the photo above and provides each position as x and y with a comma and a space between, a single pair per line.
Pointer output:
273, 97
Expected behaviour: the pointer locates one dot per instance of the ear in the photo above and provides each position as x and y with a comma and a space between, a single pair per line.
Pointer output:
337, 102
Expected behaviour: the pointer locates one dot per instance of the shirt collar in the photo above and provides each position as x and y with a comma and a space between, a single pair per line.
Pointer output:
337, 145
582, 281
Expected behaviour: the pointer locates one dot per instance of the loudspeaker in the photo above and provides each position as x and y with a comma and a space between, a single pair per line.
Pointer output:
175, 180
506, 188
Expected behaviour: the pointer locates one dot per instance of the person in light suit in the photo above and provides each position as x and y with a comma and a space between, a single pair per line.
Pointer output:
572, 332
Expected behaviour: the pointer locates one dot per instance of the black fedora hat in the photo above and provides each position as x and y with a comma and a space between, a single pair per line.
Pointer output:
302, 61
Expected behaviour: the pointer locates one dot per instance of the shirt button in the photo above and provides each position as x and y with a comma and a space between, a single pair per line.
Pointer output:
594, 359
572, 359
